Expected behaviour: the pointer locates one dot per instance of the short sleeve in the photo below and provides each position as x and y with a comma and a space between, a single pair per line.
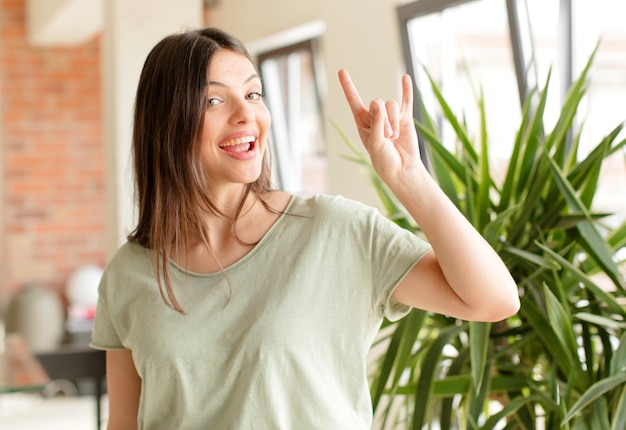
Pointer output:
395, 251
104, 335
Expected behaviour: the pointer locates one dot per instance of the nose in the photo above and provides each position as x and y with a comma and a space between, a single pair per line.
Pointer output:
242, 113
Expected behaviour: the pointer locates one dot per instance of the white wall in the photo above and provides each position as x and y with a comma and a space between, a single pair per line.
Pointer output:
131, 29
361, 36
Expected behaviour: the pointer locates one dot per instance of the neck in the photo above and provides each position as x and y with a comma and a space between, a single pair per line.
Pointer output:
234, 206
228, 201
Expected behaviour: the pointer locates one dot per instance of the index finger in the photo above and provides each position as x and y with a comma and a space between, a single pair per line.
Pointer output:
351, 93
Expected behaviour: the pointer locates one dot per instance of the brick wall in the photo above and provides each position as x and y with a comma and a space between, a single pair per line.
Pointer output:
53, 199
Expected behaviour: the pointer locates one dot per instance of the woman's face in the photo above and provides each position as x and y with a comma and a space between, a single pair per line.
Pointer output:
236, 121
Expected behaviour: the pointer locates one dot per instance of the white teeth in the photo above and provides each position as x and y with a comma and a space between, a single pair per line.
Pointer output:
239, 141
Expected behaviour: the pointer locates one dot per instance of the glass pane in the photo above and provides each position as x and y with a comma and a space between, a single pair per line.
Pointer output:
474, 37
297, 135
466, 48
542, 18
603, 20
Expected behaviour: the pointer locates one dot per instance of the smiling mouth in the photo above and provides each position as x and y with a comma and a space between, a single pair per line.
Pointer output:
241, 144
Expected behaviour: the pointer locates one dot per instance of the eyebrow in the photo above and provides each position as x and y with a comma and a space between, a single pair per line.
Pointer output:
221, 84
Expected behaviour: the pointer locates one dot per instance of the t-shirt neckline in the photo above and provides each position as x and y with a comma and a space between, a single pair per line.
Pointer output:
255, 250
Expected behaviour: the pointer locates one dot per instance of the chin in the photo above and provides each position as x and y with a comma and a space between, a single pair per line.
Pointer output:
252, 177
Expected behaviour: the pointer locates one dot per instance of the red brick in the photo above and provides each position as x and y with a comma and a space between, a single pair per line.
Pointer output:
53, 157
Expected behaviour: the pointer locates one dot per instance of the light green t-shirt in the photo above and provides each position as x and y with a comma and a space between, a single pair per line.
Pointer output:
278, 343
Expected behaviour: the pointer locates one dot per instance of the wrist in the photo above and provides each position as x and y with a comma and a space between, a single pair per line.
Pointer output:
411, 183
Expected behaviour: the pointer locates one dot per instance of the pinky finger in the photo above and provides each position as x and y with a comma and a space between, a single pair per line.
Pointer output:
407, 96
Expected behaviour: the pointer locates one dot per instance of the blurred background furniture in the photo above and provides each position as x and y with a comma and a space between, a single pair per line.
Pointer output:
19, 369
76, 363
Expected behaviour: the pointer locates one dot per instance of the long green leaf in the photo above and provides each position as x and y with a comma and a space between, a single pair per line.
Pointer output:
593, 241
395, 360
483, 202
586, 175
452, 119
386, 368
600, 321
451, 386
599, 416
594, 392
479, 347
618, 362
477, 399
533, 258
619, 418
507, 196
510, 408
430, 367
561, 323
607, 300
617, 238
493, 232
446, 165
570, 106
543, 330
533, 138
457, 367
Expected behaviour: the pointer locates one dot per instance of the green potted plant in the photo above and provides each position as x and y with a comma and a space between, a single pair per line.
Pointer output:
560, 362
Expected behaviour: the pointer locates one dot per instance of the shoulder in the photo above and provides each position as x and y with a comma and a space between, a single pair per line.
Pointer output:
129, 273
330, 205
334, 215
131, 257
129, 251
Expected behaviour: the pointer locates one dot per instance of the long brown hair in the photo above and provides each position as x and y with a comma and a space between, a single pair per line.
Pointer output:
171, 183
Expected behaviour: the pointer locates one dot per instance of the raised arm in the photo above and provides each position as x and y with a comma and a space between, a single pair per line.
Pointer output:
463, 277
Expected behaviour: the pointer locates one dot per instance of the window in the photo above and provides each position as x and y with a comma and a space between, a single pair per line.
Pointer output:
507, 48
293, 97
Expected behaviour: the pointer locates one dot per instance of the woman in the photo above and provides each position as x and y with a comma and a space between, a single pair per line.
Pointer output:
234, 305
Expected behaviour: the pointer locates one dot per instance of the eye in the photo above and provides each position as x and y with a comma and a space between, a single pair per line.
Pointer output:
255, 96
212, 102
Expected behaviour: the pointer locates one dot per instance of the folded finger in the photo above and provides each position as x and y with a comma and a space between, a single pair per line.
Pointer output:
379, 120
392, 128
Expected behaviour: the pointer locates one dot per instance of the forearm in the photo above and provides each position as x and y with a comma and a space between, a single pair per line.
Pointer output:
124, 388
469, 264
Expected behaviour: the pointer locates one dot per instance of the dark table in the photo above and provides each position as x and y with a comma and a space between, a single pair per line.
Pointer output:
75, 362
